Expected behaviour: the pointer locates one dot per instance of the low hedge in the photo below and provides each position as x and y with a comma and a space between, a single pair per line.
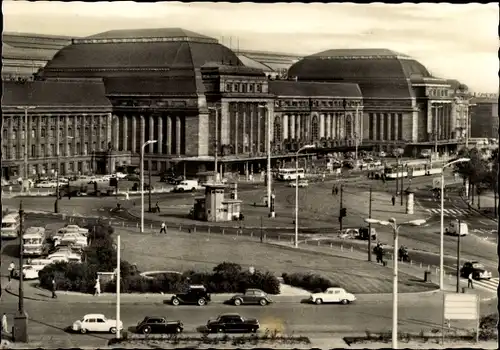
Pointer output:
310, 282
488, 327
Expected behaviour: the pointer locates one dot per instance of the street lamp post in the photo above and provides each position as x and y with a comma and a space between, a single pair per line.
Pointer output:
142, 180
297, 193
216, 141
268, 151
26, 133
395, 229
441, 238
21, 319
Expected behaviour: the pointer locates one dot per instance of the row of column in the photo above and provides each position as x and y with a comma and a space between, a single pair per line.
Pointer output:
331, 126
130, 132
245, 128
443, 113
48, 144
385, 126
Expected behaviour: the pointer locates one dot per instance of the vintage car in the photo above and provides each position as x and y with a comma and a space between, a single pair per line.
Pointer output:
159, 325
232, 323
251, 296
96, 323
332, 295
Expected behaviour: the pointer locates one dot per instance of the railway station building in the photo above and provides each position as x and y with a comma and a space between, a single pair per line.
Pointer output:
98, 99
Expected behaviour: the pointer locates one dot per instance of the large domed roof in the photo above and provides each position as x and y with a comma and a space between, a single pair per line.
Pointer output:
119, 52
379, 72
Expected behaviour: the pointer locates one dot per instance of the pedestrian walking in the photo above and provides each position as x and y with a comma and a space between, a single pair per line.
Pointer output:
12, 267
393, 200
54, 288
336, 190
5, 326
157, 207
470, 284
163, 228
97, 287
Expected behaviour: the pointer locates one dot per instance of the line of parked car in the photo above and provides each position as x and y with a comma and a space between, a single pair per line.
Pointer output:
66, 244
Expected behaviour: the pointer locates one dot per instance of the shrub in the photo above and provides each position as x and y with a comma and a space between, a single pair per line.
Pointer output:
488, 327
69, 276
310, 282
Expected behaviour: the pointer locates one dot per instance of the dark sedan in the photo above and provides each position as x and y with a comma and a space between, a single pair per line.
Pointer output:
159, 325
477, 270
252, 296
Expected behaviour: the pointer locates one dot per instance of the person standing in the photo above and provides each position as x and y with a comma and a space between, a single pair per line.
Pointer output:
54, 288
97, 287
163, 228
5, 326
393, 200
470, 284
12, 267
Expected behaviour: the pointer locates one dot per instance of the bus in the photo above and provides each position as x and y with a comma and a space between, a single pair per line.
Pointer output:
10, 226
34, 241
287, 174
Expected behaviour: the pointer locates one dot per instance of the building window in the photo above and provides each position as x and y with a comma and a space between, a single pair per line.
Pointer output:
86, 131
52, 132
42, 150
86, 149
51, 150
23, 134
14, 152
60, 133
14, 132
77, 132
228, 87
235, 88
154, 166
277, 129
33, 150
70, 132
70, 150
348, 126
42, 132
315, 128
258, 88
94, 131
250, 87
243, 87
77, 150
102, 145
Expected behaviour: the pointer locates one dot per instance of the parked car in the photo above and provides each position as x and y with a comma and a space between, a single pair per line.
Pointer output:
46, 184
332, 295
72, 238
159, 325
69, 229
227, 323
119, 175
196, 294
477, 269
29, 273
302, 183
252, 296
96, 323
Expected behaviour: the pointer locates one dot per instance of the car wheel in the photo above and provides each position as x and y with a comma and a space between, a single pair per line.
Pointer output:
78, 193
318, 301
263, 302
201, 302
175, 302
237, 302
344, 301
83, 330
146, 330
112, 330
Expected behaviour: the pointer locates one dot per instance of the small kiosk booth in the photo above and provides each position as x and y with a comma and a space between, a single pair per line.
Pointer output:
214, 207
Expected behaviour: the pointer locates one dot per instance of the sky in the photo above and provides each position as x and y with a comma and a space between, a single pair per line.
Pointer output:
453, 41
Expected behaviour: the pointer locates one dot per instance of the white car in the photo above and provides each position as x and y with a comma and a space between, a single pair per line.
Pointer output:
302, 183
120, 175
96, 323
29, 273
71, 238
332, 295
65, 256
349, 233
46, 184
69, 229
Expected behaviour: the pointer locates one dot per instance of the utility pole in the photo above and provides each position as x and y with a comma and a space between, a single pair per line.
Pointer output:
397, 175
341, 206
402, 181
458, 256
149, 194
370, 228
21, 319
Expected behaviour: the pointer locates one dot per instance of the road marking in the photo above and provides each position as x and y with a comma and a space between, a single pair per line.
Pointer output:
450, 212
490, 285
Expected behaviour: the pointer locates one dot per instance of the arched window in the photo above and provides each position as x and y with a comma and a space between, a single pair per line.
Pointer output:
315, 128
277, 129
348, 126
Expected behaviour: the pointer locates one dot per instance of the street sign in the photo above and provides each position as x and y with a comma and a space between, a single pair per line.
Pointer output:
461, 307
436, 182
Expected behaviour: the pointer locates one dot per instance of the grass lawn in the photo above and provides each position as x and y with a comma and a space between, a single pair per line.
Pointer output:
182, 251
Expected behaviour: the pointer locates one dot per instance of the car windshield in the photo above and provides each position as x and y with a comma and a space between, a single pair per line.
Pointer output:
478, 266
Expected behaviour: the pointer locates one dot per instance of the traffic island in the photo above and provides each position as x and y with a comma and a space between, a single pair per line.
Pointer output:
267, 339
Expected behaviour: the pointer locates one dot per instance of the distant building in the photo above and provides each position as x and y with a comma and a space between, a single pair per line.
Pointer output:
484, 117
